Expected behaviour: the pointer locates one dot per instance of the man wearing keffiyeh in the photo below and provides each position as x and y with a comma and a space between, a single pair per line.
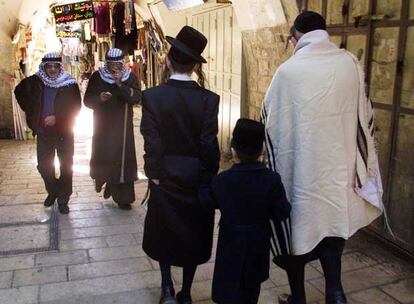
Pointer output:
112, 91
319, 138
51, 101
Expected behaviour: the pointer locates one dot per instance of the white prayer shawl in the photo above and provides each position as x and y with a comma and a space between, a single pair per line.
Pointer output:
311, 115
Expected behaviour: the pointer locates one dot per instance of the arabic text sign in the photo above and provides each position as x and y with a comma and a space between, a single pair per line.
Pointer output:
73, 12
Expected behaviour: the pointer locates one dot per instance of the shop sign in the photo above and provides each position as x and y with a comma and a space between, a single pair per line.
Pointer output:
68, 31
73, 11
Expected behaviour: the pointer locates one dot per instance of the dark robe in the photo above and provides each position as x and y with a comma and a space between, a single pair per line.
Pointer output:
180, 126
248, 195
108, 143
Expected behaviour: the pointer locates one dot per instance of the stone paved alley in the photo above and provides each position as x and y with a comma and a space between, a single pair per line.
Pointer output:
94, 254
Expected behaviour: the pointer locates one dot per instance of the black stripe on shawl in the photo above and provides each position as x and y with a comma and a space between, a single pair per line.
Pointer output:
362, 144
358, 180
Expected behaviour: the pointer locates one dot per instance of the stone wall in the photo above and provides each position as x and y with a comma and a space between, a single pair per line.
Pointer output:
7, 61
8, 23
264, 50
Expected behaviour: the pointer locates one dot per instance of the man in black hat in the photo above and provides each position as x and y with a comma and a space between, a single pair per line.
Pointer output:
180, 125
51, 101
252, 201
315, 113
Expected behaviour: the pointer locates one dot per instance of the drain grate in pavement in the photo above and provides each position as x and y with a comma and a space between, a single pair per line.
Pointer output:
29, 237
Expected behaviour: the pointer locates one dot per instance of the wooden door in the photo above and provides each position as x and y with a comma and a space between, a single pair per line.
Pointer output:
224, 65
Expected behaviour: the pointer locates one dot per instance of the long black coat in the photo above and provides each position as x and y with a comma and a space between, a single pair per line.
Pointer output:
109, 119
29, 95
180, 126
249, 196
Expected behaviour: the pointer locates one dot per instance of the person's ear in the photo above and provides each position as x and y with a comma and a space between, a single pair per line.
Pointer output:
294, 41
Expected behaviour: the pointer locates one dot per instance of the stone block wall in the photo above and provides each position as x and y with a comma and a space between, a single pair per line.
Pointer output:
7, 64
264, 51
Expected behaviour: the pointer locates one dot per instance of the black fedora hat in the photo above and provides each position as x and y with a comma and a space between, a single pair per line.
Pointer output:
190, 42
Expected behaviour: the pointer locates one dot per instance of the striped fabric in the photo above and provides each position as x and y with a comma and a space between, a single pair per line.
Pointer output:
52, 57
366, 152
363, 135
115, 55
281, 240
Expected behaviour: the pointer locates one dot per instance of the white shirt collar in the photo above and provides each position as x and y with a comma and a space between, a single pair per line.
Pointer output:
181, 77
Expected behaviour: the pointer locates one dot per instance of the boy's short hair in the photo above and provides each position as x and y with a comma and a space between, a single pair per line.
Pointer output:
248, 137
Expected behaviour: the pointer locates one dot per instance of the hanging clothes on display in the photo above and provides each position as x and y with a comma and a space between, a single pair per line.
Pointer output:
125, 36
102, 20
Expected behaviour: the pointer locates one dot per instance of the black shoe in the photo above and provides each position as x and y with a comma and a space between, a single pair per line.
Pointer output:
182, 300
64, 209
98, 186
285, 299
337, 297
167, 295
49, 201
125, 206
107, 192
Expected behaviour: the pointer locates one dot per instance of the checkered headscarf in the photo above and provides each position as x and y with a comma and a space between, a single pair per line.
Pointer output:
115, 56
63, 79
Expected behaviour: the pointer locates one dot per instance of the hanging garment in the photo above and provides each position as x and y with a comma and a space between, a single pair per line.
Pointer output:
101, 22
123, 41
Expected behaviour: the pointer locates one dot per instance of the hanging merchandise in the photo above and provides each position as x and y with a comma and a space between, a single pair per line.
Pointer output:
102, 20
125, 36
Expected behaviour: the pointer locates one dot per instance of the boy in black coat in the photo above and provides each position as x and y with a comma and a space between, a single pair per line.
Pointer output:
249, 196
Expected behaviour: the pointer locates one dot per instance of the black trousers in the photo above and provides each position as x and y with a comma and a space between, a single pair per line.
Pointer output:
329, 252
47, 146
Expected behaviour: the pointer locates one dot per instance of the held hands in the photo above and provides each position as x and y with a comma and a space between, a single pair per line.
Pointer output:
105, 96
50, 121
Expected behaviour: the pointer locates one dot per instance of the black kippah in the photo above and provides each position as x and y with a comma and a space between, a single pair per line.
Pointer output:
309, 21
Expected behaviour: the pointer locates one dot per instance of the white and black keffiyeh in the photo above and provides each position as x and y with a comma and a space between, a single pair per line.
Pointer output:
63, 79
116, 56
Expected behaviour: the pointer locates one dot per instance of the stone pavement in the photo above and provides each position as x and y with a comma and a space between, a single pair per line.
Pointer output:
94, 254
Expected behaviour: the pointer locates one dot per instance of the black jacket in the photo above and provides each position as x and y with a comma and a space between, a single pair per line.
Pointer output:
29, 95
109, 120
180, 126
249, 196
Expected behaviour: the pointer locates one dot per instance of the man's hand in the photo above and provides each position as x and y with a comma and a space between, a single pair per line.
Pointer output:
105, 96
117, 76
50, 121
156, 181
